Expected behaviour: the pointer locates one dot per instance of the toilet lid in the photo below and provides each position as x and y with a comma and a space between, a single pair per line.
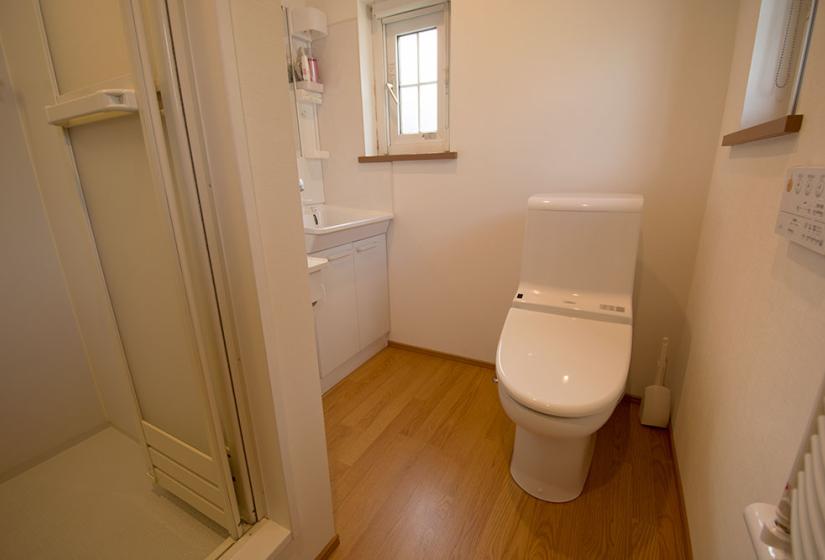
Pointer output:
560, 365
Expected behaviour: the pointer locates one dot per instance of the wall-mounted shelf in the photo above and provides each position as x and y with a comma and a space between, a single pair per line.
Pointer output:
789, 124
102, 104
306, 96
407, 157
314, 87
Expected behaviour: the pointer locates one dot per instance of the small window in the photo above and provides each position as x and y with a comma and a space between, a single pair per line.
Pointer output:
413, 83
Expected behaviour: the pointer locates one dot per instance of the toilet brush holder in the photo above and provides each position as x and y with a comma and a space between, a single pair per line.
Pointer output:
655, 409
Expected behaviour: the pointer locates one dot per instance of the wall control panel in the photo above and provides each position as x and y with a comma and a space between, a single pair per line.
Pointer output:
802, 213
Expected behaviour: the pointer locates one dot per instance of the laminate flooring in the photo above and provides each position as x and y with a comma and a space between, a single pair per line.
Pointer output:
419, 451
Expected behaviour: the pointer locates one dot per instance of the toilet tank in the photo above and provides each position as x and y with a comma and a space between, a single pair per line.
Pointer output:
582, 242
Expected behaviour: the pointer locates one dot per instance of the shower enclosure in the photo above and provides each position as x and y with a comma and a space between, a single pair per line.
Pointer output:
98, 91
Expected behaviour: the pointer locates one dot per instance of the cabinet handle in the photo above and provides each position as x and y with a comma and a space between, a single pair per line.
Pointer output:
338, 257
366, 248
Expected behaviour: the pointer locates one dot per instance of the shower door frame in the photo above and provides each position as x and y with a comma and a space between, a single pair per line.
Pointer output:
180, 171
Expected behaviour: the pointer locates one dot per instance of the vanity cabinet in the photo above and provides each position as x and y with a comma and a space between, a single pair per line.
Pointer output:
354, 313
336, 314
371, 290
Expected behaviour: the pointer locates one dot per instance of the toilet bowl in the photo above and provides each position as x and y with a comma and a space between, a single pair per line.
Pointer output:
551, 454
564, 350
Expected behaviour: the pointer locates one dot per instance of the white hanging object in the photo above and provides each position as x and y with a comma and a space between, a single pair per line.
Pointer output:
308, 23
769, 542
806, 540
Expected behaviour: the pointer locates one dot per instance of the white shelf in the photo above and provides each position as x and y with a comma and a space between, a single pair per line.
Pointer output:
310, 86
311, 97
104, 103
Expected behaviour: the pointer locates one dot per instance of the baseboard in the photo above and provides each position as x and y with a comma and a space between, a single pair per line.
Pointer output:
680, 489
327, 551
445, 355
337, 375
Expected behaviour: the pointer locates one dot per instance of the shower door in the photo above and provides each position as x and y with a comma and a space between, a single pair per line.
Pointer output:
151, 244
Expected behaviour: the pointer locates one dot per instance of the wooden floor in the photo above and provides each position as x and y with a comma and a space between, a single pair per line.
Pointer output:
419, 450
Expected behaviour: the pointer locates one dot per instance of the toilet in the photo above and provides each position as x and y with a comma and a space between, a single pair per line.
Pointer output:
564, 350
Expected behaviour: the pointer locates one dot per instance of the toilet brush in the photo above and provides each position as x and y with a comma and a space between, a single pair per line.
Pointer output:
655, 410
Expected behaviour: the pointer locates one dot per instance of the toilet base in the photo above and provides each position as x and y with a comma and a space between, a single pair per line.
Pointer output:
550, 468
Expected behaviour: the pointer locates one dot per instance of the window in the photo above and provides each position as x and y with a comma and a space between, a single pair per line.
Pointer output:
417, 62
412, 81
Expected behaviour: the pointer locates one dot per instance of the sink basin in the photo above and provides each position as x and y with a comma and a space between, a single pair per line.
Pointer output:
328, 226
314, 264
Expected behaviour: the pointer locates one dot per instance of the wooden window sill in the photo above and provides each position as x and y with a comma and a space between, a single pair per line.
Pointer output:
407, 157
789, 124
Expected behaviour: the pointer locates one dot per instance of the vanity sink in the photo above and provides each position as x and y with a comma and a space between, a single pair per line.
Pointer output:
314, 264
328, 226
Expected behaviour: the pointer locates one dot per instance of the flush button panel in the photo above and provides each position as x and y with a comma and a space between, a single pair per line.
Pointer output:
802, 213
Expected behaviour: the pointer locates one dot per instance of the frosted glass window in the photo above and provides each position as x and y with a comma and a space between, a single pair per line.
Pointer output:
408, 59
778, 60
428, 112
428, 47
409, 110
413, 81
417, 55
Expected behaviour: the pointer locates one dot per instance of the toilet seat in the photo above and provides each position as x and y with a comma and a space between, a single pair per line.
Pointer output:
560, 365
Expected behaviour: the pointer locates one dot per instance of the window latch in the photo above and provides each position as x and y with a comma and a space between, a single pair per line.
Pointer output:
391, 89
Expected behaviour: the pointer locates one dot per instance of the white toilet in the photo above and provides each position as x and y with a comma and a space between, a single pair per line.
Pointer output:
564, 351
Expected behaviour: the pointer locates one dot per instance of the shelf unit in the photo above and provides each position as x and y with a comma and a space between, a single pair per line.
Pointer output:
306, 24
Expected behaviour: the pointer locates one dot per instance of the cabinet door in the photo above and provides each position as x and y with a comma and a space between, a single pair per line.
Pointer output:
372, 290
337, 318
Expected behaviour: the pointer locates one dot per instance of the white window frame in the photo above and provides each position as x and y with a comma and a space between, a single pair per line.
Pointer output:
385, 31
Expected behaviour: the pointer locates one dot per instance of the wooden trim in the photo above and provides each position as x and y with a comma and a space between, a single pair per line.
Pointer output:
789, 124
407, 157
327, 551
680, 489
445, 355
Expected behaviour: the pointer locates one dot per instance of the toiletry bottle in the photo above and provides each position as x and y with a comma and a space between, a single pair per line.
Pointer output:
313, 70
305, 71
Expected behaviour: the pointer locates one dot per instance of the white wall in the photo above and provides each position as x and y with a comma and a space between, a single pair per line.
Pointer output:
47, 397
56, 178
619, 96
340, 119
754, 355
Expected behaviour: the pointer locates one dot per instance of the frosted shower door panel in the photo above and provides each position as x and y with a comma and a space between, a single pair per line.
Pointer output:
139, 260
155, 270
79, 31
